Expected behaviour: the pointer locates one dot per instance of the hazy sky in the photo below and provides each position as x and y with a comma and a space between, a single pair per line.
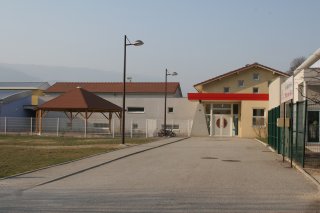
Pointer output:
197, 38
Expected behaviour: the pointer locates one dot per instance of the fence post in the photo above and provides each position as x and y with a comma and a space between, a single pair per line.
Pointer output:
297, 122
58, 125
284, 131
112, 128
131, 129
5, 125
291, 132
304, 132
146, 128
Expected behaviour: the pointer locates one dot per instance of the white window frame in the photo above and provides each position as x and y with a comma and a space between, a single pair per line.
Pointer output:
224, 89
135, 112
241, 85
259, 116
256, 79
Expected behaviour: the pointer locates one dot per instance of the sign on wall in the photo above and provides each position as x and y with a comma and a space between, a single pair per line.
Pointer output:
287, 90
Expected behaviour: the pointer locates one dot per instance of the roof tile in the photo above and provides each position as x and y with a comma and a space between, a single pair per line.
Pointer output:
115, 87
81, 100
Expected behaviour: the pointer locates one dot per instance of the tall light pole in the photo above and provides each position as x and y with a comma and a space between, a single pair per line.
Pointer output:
165, 100
136, 43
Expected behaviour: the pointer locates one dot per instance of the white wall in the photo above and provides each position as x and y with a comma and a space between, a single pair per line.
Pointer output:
274, 92
183, 111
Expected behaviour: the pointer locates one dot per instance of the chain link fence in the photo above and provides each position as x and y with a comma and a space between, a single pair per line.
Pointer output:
93, 128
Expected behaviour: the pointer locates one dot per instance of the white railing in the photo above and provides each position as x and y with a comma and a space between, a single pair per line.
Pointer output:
95, 127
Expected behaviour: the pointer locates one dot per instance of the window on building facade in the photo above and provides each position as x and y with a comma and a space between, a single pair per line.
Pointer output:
258, 118
235, 108
240, 83
135, 126
221, 108
226, 89
135, 109
255, 89
100, 125
170, 109
256, 76
170, 126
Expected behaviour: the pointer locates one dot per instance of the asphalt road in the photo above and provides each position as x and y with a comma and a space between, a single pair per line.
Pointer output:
193, 175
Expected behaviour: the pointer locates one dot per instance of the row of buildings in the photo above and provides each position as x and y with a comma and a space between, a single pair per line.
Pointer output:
233, 104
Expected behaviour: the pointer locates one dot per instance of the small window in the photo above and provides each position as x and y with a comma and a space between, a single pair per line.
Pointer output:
255, 89
240, 83
258, 117
256, 76
170, 126
135, 109
221, 106
100, 125
170, 109
226, 89
135, 126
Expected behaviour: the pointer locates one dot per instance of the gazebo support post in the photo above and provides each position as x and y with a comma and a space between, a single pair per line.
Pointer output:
85, 124
110, 118
71, 120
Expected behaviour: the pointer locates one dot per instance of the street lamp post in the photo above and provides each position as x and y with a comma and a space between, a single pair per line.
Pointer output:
165, 100
136, 43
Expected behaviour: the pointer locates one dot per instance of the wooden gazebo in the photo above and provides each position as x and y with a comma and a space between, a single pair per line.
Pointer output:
76, 102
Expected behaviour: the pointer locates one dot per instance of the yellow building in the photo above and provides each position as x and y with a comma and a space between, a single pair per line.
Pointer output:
236, 103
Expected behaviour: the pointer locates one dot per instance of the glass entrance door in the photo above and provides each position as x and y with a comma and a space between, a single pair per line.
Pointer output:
222, 125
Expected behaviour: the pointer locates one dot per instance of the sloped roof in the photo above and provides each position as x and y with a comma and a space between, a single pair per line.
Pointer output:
80, 100
247, 67
12, 95
116, 87
24, 85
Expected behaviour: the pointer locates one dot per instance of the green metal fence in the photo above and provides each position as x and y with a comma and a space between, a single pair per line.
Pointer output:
299, 127
290, 139
274, 132
312, 136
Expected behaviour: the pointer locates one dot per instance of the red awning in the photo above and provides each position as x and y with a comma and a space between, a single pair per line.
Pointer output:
228, 96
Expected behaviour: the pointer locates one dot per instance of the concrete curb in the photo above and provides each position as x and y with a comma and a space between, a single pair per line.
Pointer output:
83, 158
296, 166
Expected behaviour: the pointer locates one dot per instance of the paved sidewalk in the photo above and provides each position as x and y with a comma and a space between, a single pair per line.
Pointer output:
313, 173
17, 184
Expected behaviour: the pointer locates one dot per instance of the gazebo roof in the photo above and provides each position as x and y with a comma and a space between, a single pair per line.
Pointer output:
79, 100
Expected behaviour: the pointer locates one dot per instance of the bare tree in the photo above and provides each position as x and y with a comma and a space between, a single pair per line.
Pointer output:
295, 63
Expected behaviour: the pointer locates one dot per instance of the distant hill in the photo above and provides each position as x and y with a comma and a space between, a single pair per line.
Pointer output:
10, 74
52, 74
27, 72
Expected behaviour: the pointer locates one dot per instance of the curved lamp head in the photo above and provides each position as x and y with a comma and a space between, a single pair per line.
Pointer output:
174, 73
138, 43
